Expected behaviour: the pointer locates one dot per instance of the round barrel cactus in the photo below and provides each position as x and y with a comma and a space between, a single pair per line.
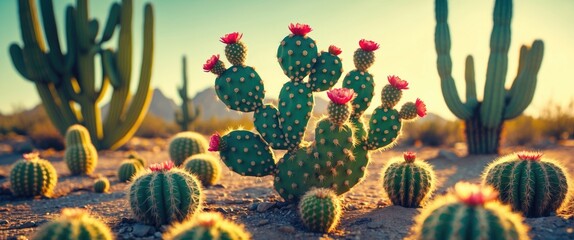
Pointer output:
128, 169
33, 176
320, 210
205, 167
80, 156
207, 225
74, 224
186, 144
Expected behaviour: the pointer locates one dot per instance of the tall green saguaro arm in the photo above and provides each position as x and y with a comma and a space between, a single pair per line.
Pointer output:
189, 113
67, 80
484, 119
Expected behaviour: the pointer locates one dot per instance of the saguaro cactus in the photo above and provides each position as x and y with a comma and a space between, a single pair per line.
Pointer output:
339, 155
484, 119
67, 80
188, 113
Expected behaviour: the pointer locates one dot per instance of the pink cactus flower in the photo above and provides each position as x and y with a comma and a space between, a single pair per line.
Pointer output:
300, 29
368, 46
30, 156
159, 167
532, 156
210, 63
231, 38
341, 95
398, 83
334, 50
214, 142
473, 194
409, 156
421, 108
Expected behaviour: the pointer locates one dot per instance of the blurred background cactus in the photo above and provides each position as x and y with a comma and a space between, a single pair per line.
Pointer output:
484, 119
66, 82
189, 112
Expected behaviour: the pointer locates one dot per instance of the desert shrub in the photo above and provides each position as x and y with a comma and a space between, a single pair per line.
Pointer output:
155, 127
221, 125
433, 132
523, 130
45, 136
558, 120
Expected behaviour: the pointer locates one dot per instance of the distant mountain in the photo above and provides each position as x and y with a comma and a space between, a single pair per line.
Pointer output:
160, 106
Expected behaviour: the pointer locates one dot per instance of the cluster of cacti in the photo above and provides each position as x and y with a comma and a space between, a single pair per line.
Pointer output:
205, 167
67, 80
184, 145
75, 224
81, 156
188, 113
320, 210
407, 182
207, 225
33, 176
130, 167
136, 157
101, 185
484, 119
164, 194
338, 157
469, 212
529, 183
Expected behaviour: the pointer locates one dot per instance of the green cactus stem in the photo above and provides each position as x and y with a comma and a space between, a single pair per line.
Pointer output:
188, 113
80, 155
186, 144
33, 176
205, 167
207, 225
235, 50
132, 155
128, 169
74, 223
327, 71
66, 81
297, 52
407, 182
101, 185
320, 210
529, 183
484, 119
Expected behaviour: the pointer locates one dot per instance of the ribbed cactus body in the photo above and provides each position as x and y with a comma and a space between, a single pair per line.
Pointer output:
74, 224
186, 144
163, 197
33, 176
384, 127
320, 210
535, 187
236, 53
408, 184
326, 72
205, 167
137, 158
295, 107
266, 121
390, 96
363, 59
80, 156
338, 114
101, 185
240, 88
296, 55
128, 169
246, 153
207, 225
364, 86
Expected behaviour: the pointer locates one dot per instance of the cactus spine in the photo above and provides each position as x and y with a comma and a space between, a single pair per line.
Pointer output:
207, 225
74, 224
128, 169
186, 144
164, 195
81, 156
469, 212
64, 80
101, 185
407, 182
529, 183
33, 176
189, 113
320, 210
205, 167
484, 119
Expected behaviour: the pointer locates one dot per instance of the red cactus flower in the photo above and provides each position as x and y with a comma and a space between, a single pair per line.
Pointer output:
300, 29
398, 83
334, 50
210, 63
231, 38
164, 166
473, 194
421, 108
409, 156
533, 156
30, 156
341, 95
214, 142
368, 46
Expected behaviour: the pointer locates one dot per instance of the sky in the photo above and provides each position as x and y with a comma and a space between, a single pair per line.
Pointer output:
404, 29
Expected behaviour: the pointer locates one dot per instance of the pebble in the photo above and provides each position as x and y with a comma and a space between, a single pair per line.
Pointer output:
4, 222
141, 230
351, 207
264, 206
263, 222
29, 224
157, 234
221, 210
253, 206
286, 229
375, 224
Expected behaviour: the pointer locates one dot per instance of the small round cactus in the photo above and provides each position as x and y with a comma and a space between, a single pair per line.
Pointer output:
101, 185
205, 167
235, 50
297, 52
469, 212
74, 224
364, 56
530, 183
81, 156
128, 169
320, 210
207, 225
185, 144
136, 157
164, 195
339, 107
33, 176
407, 182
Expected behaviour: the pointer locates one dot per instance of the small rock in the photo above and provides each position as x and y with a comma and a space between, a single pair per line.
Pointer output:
286, 229
263, 222
163, 228
217, 186
157, 234
375, 224
221, 210
264, 206
351, 207
2, 209
140, 230
29, 224
253, 206
4, 222
447, 154
122, 230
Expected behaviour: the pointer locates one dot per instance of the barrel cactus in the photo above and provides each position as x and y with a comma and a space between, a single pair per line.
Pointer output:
164, 195
205, 167
74, 223
338, 157
529, 183
128, 169
207, 225
136, 157
186, 144
469, 212
407, 182
81, 156
33, 176
320, 210
101, 185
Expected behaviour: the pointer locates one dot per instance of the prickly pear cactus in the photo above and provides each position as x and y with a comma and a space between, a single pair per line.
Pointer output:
184, 145
128, 169
339, 154
81, 156
101, 185
33, 176
205, 167
207, 225
74, 224
320, 210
